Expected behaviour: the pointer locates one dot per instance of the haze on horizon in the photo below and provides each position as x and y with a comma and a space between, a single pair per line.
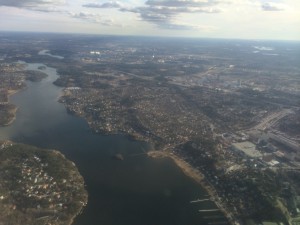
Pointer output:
243, 19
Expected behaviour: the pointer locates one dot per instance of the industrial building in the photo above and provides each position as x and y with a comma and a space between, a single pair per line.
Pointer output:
247, 148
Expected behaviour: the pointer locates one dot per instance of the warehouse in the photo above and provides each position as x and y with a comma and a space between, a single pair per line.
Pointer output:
247, 148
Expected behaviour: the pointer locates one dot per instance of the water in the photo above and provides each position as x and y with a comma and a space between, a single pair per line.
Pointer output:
47, 52
138, 190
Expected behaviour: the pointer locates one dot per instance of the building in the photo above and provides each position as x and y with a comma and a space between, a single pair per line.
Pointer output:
247, 148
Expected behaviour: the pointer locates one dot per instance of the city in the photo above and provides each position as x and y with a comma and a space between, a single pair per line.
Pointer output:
229, 110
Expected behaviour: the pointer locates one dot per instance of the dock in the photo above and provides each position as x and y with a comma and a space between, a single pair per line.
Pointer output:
200, 200
208, 210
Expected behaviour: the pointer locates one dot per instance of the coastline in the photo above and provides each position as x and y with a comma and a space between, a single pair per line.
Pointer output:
185, 167
12, 92
197, 176
84, 203
14, 113
67, 170
11, 111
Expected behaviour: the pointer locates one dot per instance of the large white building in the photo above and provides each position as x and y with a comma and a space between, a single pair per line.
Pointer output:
248, 148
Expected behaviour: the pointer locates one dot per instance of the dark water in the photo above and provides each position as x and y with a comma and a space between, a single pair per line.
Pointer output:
136, 191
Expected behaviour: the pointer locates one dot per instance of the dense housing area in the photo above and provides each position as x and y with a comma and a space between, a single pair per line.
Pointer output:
229, 109
38, 186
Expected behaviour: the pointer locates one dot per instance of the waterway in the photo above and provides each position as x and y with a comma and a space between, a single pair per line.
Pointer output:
138, 190
47, 52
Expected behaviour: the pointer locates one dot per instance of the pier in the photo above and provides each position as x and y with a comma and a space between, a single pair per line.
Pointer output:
208, 210
200, 200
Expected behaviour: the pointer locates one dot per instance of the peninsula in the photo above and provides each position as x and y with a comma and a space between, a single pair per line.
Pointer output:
12, 80
38, 186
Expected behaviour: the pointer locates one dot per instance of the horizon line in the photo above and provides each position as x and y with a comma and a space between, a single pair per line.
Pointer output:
150, 36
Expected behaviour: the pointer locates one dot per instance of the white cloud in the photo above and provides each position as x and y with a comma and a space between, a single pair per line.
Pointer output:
30, 3
279, 19
271, 6
111, 4
35, 5
94, 18
182, 3
163, 13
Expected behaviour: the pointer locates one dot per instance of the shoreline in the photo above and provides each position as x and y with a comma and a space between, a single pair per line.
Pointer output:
12, 111
12, 92
197, 176
67, 170
185, 167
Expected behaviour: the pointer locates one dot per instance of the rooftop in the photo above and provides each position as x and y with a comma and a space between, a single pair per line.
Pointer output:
248, 148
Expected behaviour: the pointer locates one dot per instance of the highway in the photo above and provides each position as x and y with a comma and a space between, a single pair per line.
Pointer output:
270, 120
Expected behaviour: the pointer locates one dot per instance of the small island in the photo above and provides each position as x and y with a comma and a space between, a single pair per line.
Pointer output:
38, 186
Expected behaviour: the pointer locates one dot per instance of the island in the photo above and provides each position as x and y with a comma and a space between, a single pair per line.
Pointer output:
38, 186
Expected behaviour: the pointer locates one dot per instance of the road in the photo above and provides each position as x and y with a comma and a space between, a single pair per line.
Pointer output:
270, 120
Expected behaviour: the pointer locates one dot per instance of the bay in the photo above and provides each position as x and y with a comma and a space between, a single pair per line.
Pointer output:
136, 191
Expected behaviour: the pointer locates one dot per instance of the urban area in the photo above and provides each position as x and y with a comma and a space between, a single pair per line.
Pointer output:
229, 109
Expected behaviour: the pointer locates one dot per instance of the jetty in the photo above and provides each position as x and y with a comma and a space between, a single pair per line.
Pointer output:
208, 210
200, 200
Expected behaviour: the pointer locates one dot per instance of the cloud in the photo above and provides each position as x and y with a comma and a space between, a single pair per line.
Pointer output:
84, 15
94, 18
163, 13
181, 3
111, 4
175, 25
54, 6
270, 6
29, 3
35, 5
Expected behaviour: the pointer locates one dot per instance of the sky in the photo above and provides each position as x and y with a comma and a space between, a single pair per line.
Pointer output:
242, 19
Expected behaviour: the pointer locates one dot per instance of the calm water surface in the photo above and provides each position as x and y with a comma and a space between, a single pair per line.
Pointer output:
136, 191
